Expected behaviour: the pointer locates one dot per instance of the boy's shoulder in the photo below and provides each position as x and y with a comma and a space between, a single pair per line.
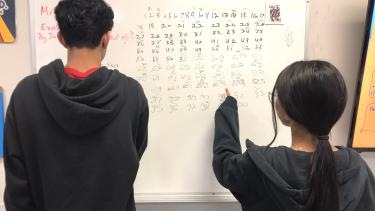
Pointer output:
27, 84
133, 87
129, 80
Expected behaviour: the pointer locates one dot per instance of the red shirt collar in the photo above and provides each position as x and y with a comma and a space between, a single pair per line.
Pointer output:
74, 73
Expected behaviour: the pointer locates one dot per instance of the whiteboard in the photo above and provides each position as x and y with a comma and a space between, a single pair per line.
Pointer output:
184, 53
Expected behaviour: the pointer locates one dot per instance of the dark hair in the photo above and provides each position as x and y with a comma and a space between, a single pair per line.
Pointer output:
313, 93
83, 23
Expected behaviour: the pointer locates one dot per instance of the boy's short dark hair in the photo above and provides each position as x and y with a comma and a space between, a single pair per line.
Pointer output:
83, 23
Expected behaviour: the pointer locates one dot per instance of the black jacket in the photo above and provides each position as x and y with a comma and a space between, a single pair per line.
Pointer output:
276, 178
74, 145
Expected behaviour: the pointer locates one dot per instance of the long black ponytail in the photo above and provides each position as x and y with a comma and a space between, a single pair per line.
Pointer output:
313, 93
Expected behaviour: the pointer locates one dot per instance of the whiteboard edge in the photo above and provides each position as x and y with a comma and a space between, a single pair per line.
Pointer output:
180, 199
184, 198
32, 36
307, 27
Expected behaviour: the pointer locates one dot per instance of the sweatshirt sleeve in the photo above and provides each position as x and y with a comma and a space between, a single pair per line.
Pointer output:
233, 169
367, 199
142, 128
17, 195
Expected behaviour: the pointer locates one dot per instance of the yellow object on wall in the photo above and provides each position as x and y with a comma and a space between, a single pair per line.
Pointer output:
5, 34
7, 21
364, 130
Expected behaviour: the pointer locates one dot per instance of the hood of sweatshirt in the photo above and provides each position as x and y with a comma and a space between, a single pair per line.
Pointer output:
81, 106
286, 172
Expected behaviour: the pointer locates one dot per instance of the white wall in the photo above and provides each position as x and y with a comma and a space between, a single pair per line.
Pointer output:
336, 35
15, 63
336, 29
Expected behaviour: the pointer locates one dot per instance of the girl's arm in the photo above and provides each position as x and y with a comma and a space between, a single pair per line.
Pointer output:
233, 169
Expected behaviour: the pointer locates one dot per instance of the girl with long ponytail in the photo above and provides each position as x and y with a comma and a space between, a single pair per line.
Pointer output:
311, 175
313, 94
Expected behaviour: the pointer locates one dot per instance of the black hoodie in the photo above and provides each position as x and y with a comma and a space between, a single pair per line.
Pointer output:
276, 178
74, 145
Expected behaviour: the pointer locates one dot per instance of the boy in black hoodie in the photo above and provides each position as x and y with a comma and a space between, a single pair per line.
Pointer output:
74, 134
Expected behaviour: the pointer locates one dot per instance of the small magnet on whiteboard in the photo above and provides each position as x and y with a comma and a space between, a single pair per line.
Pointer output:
274, 12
